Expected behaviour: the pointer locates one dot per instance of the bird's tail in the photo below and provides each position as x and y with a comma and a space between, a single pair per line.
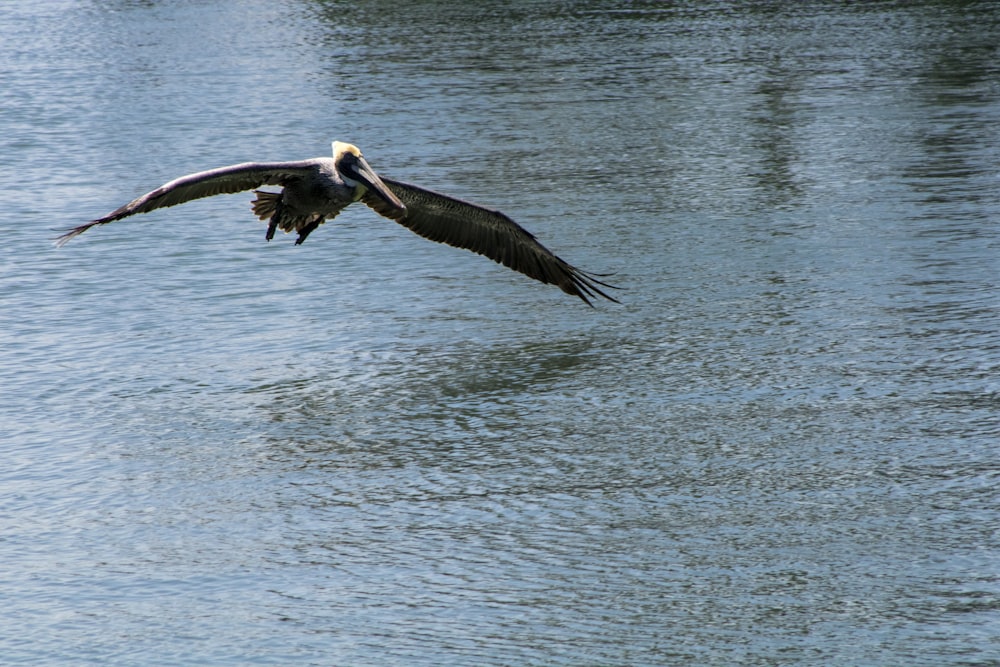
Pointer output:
266, 204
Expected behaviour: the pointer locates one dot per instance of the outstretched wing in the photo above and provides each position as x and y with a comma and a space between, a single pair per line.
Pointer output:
485, 231
224, 180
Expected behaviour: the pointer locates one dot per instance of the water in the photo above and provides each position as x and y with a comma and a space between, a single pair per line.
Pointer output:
370, 449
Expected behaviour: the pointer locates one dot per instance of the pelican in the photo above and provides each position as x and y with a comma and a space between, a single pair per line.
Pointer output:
317, 190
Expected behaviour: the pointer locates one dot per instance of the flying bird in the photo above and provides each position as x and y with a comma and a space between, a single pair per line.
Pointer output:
317, 189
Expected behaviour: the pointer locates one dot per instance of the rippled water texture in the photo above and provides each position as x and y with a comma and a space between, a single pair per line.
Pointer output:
781, 449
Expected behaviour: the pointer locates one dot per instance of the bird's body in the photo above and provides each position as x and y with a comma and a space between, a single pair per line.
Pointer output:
317, 190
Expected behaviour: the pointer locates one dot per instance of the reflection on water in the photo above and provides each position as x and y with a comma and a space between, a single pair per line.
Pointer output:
375, 450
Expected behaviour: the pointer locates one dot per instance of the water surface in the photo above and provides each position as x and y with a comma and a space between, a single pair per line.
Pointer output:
371, 449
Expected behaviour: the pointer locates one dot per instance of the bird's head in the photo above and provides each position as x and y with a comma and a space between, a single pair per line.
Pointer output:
357, 173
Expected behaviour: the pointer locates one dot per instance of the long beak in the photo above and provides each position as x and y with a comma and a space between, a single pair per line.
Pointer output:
368, 176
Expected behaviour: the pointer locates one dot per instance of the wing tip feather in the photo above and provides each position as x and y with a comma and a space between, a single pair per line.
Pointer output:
587, 286
71, 234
